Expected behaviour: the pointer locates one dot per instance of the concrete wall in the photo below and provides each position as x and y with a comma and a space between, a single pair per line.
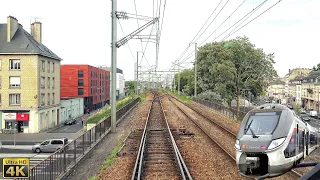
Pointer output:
71, 108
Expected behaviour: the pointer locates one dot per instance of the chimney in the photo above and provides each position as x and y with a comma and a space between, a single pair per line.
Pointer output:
12, 27
36, 31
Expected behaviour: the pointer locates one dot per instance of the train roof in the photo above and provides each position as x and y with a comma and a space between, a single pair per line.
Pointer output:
271, 106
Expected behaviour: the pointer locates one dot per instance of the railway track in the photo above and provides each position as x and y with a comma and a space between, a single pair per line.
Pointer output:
158, 156
293, 173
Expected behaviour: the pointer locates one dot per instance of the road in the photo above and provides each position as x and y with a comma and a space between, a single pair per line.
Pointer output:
314, 122
44, 169
74, 128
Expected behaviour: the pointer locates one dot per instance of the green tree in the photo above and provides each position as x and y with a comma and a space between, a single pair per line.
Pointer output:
186, 81
230, 66
130, 86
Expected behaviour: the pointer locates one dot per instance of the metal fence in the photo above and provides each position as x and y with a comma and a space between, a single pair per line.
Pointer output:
61, 161
230, 112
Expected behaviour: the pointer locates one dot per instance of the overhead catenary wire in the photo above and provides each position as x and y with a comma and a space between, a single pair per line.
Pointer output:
135, 7
128, 42
255, 18
249, 13
143, 50
181, 55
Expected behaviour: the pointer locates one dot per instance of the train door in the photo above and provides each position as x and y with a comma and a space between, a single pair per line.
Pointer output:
307, 143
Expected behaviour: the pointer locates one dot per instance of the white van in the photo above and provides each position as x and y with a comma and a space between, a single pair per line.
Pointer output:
313, 113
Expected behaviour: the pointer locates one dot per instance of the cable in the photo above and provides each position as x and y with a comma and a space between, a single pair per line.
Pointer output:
160, 32
255, 18
225, 20
143, 51
128, 42
213, 19
251, 12
249, 15
181, 55
135, 7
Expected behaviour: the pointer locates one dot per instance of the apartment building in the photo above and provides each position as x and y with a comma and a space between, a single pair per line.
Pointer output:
88, 82
276, 90
29, 80
120, 84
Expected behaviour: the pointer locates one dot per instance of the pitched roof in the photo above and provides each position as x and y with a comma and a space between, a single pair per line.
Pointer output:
22, 43
313, 74
277, 82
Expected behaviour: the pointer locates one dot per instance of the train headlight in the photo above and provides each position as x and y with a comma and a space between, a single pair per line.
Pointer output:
237, 144
275, 143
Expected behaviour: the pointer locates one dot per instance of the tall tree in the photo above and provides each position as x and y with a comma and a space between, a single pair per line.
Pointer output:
186, 81
231, 66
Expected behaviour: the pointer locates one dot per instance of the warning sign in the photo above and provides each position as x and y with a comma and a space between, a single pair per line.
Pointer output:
15, 167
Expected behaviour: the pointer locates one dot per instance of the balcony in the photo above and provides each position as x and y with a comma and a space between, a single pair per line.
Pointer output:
309, 90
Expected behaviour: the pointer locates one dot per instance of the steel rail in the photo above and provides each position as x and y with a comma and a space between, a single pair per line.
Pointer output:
183, 167
204, 131
137, 171
142, 143
294, 172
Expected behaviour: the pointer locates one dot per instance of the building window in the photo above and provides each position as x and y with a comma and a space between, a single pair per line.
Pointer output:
48, 66
53, 83
0, 100
42, 82
48, 98
14, 81
80, 82
48, 82
80, 73
14, 99
14, 64
53, 98
80, 91
42, 66
53, 67
42, 98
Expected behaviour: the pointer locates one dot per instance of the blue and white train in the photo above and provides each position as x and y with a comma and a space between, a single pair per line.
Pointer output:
272, 139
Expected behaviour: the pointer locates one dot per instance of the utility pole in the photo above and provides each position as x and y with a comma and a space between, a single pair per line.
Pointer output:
137, 74
178, 79
113, 66
195, 71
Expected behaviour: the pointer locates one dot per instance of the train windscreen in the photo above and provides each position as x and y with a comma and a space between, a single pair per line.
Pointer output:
262, 123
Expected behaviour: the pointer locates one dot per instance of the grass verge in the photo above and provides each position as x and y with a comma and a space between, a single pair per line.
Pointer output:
111, 158
107, 111
182, 96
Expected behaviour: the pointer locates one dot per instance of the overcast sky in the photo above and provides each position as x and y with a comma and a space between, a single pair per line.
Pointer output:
79, 31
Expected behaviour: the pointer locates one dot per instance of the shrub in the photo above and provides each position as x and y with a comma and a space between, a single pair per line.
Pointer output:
211, 96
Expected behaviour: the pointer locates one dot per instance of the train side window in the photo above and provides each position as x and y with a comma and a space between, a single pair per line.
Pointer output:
290, 151
313, 140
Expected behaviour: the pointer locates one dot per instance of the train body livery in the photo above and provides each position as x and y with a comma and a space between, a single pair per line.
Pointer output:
272, 139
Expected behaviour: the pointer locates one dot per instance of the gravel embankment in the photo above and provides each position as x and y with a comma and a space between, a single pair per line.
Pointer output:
204, 159
123, 166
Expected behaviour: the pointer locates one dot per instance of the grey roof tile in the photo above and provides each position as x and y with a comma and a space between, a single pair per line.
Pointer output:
22, 42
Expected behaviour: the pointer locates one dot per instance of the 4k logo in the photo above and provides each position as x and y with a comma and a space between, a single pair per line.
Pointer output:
15, 168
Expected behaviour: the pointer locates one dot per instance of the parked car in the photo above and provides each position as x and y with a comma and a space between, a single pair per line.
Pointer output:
304, 116
51, 145
71, 121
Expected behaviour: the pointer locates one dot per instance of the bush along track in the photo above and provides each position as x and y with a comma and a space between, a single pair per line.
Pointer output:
107, 111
